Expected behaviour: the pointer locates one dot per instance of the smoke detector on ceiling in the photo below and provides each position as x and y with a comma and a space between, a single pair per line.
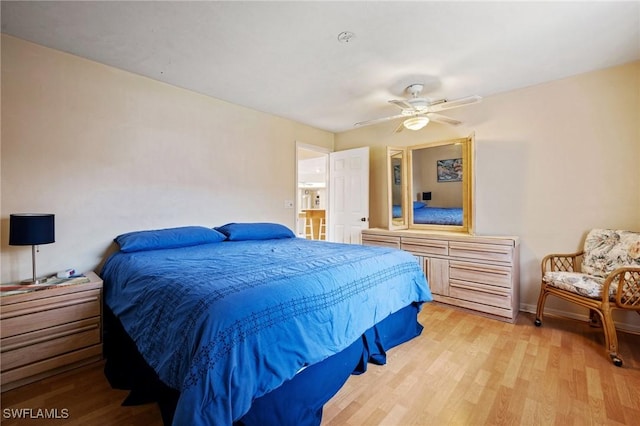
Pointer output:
346, 36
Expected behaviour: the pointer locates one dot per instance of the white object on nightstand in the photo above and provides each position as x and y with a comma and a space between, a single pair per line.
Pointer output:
67, 273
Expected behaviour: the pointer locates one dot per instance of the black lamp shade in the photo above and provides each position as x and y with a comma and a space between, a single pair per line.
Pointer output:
426, 196
31, 229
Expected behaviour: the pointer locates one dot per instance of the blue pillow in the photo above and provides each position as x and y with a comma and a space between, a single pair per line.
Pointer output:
255, 231
418, 204
167, 238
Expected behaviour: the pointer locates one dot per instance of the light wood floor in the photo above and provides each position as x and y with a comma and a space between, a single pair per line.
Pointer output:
463, 370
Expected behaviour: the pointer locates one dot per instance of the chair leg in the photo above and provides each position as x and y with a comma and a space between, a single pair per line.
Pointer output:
610, 336
540, 309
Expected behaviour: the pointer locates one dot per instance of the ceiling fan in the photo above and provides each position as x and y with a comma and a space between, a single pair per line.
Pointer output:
418, 111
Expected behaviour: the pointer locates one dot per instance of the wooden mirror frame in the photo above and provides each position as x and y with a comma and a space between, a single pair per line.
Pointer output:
397, 184
408, 153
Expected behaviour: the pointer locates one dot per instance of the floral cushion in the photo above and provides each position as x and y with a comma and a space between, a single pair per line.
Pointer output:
606, 250
582, 284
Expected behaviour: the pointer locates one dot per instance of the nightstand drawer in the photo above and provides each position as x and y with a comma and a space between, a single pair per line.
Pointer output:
29, 373
42, 344
34, 315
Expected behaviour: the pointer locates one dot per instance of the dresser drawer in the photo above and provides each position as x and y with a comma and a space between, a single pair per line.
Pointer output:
480, 293
34, 315
492, 275
42, 344
381, 240
425, 246
481, 251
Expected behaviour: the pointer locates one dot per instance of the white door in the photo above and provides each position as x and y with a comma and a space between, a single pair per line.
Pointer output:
348, 195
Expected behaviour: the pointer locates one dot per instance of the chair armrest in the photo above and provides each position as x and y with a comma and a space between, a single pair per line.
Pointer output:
559, 262
628, 293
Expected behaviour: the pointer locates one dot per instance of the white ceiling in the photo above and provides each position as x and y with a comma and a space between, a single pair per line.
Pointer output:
284, 58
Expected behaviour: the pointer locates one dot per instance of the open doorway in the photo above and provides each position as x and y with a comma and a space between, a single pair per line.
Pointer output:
312, 192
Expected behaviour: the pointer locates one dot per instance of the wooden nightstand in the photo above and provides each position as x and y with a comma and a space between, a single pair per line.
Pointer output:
48, 331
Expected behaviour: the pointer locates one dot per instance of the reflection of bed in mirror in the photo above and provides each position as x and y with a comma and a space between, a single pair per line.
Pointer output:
423, 214
437, 215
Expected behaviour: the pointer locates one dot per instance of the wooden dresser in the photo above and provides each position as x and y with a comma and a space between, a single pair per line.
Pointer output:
472, 272
47, 331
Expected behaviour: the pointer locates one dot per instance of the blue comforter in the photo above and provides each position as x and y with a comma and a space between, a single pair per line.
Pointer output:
228, 322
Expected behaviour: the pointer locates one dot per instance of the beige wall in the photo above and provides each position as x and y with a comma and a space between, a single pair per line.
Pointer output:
109, 152
552, 162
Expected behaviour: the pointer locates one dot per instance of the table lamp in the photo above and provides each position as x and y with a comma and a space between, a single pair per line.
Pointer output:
31, 229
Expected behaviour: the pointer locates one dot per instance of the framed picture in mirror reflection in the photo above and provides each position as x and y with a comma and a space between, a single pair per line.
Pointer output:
450, 170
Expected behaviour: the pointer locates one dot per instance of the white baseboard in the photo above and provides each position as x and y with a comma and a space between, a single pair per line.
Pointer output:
625, 327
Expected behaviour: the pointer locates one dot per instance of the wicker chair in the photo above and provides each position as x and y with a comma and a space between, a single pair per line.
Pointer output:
609, 265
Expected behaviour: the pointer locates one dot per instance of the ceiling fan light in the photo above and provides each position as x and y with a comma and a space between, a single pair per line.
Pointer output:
416, 123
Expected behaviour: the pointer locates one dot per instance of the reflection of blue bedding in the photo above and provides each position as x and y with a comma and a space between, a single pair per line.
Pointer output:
396, 210
437, 216
225, 323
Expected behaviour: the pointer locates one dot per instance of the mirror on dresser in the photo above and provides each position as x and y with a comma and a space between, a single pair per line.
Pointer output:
431, 186
397, 177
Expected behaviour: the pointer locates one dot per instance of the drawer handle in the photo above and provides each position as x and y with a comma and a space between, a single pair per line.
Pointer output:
421, 243
419, 246
475, 270
481, 290
49, 337
43, 308
501, 253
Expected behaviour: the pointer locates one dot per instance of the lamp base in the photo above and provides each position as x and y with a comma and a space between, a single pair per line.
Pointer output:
30, 281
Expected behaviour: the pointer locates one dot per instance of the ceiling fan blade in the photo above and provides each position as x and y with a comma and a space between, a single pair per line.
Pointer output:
437, 118
400, 127
379, 120
402, 104
456, 103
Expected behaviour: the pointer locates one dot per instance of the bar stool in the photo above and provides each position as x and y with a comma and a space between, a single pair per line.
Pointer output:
308, 227
322, 230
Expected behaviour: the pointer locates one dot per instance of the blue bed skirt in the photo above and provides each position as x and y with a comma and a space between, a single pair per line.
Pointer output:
298, 401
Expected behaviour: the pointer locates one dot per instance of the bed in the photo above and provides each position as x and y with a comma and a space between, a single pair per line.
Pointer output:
246, 324
424, 214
